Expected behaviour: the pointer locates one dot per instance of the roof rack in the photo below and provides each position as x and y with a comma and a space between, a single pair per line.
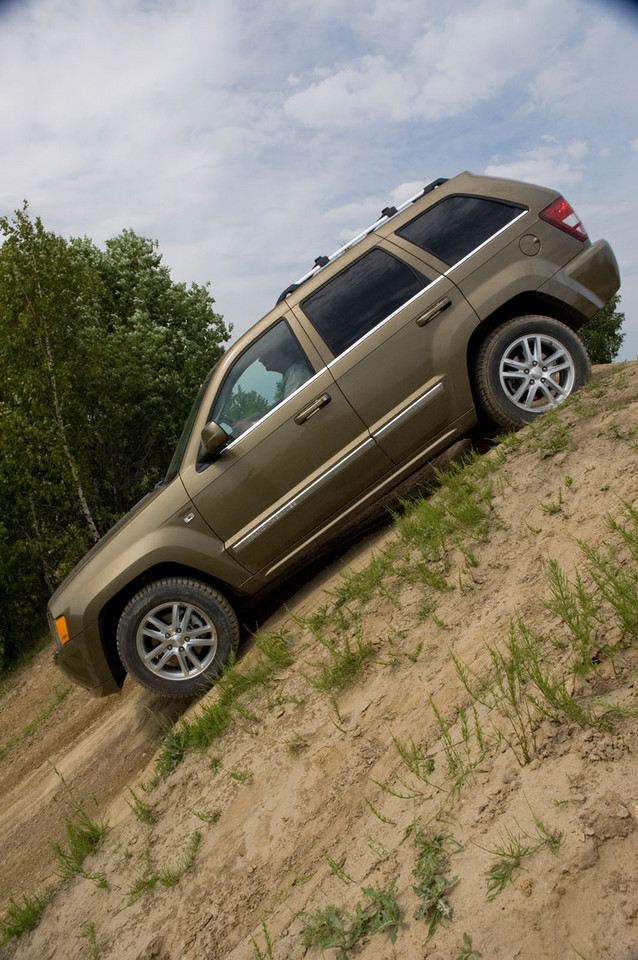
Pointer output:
386, 214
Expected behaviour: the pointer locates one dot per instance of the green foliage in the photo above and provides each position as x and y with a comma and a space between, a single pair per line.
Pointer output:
551, 435
345, 663
257, 952
142, 810
460, 512
432, 885
466, 949
91, 937
336, 928
361, 585
519, 688
246, 405
617, 585
102, 354
602, 335
578, 610
20, 918
508, 855
214, 716
167, 876
84, 834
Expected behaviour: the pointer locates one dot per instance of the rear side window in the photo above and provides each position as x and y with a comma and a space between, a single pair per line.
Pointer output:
455, 226
360, 297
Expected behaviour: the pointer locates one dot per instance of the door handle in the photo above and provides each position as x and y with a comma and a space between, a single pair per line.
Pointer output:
433, 311
312, 408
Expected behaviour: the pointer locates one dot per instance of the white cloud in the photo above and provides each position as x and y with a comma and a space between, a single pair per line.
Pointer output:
405, 191
469, 57
250, 138
552, 165
368, 88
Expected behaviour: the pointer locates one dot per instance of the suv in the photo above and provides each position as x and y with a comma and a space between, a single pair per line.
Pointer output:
461, 302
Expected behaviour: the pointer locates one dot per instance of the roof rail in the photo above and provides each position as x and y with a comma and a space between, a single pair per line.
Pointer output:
386, 214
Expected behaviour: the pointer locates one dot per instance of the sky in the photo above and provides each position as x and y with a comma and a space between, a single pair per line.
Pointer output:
249, 138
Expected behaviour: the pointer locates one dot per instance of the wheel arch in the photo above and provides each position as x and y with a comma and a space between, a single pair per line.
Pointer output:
112, 610
529, 302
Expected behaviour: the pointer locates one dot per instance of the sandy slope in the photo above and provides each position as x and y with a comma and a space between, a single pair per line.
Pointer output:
307, 779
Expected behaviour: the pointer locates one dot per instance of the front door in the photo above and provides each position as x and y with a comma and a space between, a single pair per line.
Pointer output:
298, 453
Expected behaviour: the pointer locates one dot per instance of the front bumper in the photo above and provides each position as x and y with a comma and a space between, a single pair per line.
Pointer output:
83, 660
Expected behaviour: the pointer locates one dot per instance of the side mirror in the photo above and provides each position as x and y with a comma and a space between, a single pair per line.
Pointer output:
213, 438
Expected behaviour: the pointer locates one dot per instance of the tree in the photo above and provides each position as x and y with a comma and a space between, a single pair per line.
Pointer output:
602, 335
102, 354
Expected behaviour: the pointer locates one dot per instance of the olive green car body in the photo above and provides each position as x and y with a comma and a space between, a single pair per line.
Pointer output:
239, 516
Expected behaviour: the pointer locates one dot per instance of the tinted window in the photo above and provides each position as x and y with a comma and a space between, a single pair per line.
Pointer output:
360, 297
272, 368
457, 225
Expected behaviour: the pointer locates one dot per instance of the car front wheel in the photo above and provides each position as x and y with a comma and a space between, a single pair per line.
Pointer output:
528, 366
175, 635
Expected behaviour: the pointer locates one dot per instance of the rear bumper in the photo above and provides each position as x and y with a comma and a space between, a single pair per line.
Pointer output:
588, 281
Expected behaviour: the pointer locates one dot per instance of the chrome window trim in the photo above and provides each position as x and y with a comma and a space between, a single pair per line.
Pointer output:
474, 250
430, 285
381, 322
265, 417
290, 504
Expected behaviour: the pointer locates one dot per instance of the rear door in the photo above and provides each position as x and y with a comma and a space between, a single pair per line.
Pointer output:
394, 331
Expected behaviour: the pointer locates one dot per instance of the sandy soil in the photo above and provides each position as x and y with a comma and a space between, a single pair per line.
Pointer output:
306, 800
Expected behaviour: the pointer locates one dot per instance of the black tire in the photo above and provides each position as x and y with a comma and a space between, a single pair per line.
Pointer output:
175, 636
527, 366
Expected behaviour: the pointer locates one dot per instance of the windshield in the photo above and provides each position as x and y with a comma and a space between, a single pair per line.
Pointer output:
178, 456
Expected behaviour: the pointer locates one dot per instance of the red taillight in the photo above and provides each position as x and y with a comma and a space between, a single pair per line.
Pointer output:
561, 214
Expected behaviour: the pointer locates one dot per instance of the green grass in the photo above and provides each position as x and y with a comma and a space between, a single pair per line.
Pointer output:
550, 435
166, 876
466, 949
22, 917
60, 694
84, 833
258, 954
142, 810
431, 883
416, 758
515, 848
366, 583
335, 928
579, 612
460, 511
91, 937
520, 687
214, 717
337, 869
346, 658
464, 745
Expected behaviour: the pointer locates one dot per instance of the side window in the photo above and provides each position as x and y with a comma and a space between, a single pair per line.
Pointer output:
455, 226
360, 297
272, 368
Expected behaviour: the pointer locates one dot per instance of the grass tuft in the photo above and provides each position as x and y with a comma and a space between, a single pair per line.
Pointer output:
22, 917
336, 928
432, 885
84, 834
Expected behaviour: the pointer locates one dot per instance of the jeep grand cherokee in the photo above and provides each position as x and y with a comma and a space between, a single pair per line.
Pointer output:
464, 300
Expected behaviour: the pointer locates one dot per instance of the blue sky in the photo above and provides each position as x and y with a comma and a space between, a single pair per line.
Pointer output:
248, 138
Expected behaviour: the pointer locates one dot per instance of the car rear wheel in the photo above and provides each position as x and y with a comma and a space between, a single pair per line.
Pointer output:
175, 635
527, 366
